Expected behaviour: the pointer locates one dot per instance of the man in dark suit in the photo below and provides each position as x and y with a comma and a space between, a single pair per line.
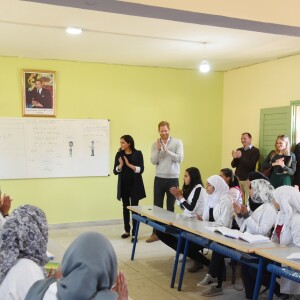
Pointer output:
40, 97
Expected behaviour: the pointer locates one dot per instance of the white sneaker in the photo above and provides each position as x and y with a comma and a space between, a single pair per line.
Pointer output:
212, 291
207, 280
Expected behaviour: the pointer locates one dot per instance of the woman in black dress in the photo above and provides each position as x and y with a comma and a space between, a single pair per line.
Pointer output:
129, 166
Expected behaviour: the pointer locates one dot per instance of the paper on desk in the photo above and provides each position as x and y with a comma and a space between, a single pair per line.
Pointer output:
294, 256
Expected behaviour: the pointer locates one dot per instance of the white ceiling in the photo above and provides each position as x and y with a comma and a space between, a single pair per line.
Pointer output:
36, 30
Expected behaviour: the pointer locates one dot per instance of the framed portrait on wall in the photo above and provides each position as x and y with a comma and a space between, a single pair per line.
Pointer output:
38, 91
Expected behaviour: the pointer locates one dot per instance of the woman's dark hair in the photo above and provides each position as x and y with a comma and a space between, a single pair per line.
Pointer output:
129, 140
195, 176
234, 181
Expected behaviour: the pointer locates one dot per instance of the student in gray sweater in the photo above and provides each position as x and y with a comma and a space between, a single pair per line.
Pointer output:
166, 154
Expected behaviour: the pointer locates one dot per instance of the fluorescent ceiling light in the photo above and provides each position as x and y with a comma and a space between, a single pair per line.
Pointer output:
74, 30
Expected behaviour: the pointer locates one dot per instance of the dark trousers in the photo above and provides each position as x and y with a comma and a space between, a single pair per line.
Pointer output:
193, 252
249, 279
127, 201
161, 187
217, 267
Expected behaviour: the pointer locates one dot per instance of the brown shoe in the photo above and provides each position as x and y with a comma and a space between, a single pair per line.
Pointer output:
195, 267
152, 238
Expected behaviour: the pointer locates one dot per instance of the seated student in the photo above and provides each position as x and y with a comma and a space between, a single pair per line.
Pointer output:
287, 229
88, 270
261, 216
218, 207
234, 190
23, 246
5, 203
191, 199
233, 183
260, 221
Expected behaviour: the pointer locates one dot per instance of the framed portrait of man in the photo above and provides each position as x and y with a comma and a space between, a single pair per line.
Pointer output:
38, 93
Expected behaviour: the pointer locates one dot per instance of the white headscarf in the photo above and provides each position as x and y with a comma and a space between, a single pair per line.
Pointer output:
288, 199
221, 189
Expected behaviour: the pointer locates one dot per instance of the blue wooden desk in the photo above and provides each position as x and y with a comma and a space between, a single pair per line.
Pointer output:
238, 250
290, 270
191, 230
153, 216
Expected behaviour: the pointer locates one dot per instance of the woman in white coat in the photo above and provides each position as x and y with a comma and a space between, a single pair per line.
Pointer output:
287, 229
218, 209
258, 218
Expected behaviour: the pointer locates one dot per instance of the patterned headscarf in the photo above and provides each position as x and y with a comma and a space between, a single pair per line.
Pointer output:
262, 191
24, 235
89, 270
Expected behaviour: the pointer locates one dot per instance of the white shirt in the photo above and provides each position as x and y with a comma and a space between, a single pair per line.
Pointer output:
19, 279
223, 212
199, 207
261, 220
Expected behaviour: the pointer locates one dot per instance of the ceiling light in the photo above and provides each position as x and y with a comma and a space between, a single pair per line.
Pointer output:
74, 30
204, 67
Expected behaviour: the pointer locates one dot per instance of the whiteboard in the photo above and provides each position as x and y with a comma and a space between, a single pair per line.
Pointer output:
46, 148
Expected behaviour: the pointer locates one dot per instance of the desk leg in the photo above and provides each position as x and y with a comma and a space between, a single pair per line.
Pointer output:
186, 248
179, 243
272, 286
260, 268
135, 239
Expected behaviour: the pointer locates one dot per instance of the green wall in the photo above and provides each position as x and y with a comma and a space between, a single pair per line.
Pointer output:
135, 99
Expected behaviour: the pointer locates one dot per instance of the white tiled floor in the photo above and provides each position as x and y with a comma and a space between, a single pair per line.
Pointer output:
149, 275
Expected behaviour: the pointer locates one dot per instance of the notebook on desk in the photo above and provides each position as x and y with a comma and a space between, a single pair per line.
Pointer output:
236, 234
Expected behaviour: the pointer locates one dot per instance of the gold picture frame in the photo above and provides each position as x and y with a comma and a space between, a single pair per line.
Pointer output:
38, 90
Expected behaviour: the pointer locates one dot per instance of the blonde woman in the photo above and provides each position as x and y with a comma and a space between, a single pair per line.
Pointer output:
280, 163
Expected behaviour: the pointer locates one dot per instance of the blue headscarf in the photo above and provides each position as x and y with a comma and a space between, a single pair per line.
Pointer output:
89, 270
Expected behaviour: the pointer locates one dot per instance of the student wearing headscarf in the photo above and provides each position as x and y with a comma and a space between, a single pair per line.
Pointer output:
89, 271
218, 207
258, 218
23, 246
287, 229
219, 210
